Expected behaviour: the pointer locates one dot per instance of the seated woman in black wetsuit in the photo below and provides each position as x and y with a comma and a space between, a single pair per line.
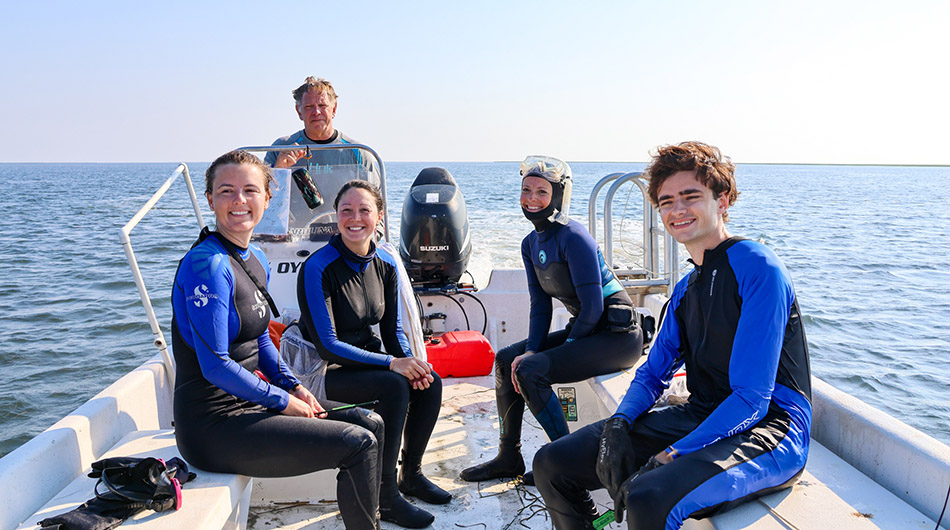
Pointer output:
562, 261
343, 289
227, 419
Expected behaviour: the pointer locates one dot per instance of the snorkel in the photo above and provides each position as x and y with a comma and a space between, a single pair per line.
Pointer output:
558, 173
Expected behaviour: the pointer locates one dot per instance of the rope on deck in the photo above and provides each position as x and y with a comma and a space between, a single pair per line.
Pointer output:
532, 505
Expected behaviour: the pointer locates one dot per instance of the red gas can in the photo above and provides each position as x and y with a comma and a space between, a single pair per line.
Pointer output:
460, 354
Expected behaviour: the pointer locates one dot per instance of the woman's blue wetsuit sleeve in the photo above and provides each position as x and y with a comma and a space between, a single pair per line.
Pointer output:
584, 264
212, 335
539, 317
271, 365
767, 296
320, 303
390, 326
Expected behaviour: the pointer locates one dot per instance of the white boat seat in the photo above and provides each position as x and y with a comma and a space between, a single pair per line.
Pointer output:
211, 501
830, 494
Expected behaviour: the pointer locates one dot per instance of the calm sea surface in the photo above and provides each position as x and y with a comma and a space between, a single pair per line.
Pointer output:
867, 247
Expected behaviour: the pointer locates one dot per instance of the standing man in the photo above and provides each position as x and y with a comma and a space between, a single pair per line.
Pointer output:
316, 101
734, 322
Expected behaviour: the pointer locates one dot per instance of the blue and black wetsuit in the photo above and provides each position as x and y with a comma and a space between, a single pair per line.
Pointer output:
563, 262
341, 295
744, 432
226, 418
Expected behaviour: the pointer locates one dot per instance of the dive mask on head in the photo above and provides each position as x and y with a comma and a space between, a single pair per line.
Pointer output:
558, 173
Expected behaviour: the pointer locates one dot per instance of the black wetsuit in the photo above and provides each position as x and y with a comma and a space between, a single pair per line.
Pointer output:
340, 296
735, 323
563, 262
226, 418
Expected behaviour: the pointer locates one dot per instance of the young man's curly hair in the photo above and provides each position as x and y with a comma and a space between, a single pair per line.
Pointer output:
713, 170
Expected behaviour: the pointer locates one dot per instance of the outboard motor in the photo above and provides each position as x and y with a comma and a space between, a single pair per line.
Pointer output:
435, 243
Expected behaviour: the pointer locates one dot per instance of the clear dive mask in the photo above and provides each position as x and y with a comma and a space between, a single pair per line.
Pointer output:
547, 167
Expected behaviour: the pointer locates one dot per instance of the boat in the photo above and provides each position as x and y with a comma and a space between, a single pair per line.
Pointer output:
865, 470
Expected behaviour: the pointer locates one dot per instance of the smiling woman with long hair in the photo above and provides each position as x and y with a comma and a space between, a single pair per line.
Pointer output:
343, 289
227, 419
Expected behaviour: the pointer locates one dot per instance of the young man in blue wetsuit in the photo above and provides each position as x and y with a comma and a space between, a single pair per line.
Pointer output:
734, 322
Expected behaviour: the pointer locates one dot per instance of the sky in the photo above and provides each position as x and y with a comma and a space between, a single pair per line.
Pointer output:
862, 82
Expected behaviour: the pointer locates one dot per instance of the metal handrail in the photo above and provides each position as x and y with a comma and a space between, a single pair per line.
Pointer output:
335, 147
592, 203
651, 230
125, 231
649, 252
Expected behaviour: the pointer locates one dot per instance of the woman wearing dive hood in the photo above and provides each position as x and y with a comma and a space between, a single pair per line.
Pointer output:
562, 261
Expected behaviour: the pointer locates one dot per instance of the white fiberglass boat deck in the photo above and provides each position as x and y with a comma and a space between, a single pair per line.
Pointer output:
865, 470
830, 495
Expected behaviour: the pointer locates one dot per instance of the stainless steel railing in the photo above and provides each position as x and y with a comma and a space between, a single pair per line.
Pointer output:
124, 233
337, 147
656, 272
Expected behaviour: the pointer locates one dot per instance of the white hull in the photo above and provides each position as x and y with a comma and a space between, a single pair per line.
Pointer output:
865, 470
863, 461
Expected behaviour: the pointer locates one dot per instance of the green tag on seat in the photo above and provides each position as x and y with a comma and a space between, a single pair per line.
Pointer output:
604, 520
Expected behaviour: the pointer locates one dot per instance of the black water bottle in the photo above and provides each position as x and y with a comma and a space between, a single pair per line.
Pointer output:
311, 195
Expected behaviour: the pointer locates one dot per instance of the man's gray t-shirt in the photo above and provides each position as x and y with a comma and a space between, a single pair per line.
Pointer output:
332, 157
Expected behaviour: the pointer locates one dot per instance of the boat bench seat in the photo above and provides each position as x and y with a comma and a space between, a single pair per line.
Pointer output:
830, 494
211, 501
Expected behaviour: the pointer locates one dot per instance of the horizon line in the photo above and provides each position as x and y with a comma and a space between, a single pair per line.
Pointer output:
859, 164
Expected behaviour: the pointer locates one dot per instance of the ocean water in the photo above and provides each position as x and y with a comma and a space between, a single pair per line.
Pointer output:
868, 249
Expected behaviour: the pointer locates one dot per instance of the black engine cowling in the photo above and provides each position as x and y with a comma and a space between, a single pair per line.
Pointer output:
434, 237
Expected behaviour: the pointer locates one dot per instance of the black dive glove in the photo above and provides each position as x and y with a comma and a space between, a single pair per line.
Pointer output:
619, 498
615, 454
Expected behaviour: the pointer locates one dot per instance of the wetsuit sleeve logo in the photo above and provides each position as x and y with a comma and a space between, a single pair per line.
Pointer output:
201, 296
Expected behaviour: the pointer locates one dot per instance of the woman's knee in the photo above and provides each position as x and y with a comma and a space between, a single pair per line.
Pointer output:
392, 385
507, 354
430, 397
533, 371
435, 387
374, 423
361, 442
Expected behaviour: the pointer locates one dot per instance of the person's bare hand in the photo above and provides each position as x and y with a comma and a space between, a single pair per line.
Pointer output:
297, 407
289, 158
304, 395
663, 457
514, 366
415, 370
423, 382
